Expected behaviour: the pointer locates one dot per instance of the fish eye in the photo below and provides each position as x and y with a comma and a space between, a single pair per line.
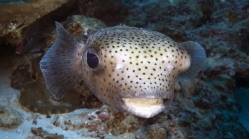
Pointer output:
92, 59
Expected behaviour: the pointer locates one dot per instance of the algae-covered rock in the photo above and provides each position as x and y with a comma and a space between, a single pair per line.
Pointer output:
40, 133
9, 118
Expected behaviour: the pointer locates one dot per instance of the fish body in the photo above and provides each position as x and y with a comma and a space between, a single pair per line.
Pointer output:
127, 68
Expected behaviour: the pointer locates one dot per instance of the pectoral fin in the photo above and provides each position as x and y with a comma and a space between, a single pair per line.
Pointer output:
61, 65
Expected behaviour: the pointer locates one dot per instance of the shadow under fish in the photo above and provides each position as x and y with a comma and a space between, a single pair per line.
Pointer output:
127, 68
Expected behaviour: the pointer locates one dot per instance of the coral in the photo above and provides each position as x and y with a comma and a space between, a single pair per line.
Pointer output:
121, 123
156, 131
101, 10
14, 17
83, 121
82, 26
231, 130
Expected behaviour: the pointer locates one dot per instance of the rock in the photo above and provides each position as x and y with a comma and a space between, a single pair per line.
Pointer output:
9, 118
40, 133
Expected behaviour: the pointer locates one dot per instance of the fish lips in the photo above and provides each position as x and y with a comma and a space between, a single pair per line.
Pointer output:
145, 107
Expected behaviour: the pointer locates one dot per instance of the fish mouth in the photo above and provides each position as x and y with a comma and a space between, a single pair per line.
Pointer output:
145, 107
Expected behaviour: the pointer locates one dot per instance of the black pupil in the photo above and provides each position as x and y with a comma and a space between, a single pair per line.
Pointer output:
92, 60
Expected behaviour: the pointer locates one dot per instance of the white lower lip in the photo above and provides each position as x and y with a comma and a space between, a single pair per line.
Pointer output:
144, 107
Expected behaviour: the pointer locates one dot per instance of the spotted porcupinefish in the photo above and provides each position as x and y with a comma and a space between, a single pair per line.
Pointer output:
128, 68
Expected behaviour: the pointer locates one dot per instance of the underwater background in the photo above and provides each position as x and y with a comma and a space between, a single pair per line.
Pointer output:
215, 105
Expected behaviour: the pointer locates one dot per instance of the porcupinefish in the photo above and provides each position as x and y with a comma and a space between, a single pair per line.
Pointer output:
128, 68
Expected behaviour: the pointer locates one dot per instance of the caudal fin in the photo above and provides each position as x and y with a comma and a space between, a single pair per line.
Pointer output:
198, 57
61, 65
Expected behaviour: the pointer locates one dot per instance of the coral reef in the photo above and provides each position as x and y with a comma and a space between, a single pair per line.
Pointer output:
211, 106
111, 12
16, 16
82, 27
223, 31
210, 20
